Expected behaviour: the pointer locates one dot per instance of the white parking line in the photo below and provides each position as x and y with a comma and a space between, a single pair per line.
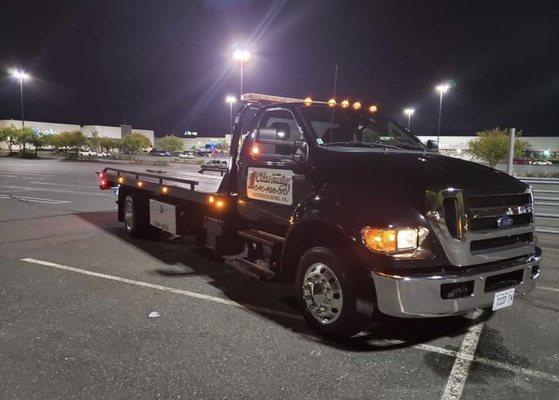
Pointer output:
34, 199
62, 184
462, 355
490, 363
67, 191
461, 368
552, 289
167, 289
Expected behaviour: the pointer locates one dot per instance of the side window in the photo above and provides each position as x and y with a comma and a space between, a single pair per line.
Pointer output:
280, 127
282, 121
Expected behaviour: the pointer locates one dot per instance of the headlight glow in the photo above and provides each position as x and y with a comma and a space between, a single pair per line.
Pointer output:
390, 240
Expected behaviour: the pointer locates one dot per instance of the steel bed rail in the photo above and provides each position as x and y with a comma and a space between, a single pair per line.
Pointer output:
160, 178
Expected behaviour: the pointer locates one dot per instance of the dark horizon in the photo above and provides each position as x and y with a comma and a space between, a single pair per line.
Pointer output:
168, 65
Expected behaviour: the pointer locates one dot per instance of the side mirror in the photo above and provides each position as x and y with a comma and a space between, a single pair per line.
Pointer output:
266, 133
301, 151
275, 133
432, 145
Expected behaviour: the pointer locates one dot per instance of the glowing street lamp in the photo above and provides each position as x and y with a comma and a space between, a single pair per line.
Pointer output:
442, 89
409, 112
241, 55
231, 100
20, 76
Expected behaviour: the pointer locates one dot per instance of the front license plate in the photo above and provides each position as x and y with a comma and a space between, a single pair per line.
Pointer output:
503, 299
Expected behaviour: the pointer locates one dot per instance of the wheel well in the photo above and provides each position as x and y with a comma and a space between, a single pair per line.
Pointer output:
123, 192
306, 236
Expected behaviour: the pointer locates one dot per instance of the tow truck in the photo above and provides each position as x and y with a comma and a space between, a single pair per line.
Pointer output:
352, 209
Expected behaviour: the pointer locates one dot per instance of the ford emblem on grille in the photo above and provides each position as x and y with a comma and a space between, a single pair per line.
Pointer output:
504, 222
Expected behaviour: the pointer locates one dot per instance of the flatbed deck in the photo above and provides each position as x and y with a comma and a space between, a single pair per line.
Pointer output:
190, 186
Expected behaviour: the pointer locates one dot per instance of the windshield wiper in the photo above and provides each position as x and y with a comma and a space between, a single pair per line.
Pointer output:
355, 143
407, 146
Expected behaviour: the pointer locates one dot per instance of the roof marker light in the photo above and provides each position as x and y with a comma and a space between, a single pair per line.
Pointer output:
307, 101
373, 108
356, 105
331, 102
345, 104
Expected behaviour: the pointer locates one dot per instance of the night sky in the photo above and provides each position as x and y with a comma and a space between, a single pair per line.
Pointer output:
167, 64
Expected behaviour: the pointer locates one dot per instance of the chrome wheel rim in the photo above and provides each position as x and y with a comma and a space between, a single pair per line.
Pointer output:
129, 216
322, 293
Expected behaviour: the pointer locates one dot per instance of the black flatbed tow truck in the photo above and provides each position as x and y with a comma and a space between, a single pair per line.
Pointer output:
353, 210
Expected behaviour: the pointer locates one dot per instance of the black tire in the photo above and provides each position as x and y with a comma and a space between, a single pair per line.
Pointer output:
348, 321
135, 216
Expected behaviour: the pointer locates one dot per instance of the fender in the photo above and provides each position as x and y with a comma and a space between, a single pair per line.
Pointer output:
335, 215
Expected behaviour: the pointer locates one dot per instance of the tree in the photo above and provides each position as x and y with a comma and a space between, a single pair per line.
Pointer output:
53, 140
71, 140
25, 136
9, 134
171, 144
108, 144
38, 139
134, 142
492, 145
94, 142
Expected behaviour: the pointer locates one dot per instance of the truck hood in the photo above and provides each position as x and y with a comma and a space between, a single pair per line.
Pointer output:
405, 171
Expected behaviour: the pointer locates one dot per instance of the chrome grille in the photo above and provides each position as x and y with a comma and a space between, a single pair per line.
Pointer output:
484, 211
476, 229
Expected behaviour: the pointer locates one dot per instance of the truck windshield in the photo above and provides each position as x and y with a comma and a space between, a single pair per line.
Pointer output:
347, 127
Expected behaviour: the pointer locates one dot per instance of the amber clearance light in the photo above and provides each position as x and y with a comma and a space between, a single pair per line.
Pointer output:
390, 240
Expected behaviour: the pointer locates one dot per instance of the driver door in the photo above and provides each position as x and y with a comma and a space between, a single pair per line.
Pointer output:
273, 165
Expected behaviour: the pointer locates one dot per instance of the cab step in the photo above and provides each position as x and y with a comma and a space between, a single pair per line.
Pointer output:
250, 268
258, 236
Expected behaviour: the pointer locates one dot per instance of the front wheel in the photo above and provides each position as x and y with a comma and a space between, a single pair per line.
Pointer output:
326, 294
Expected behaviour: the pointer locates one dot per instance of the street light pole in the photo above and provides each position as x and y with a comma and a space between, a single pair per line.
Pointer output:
409, 112
242, 65
231, 100
20, 76
241, 55
21, 100
442, 89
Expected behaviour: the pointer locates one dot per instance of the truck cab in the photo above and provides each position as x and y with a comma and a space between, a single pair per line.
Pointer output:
362, 218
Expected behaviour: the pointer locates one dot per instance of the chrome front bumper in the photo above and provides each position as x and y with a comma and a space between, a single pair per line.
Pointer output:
420, 296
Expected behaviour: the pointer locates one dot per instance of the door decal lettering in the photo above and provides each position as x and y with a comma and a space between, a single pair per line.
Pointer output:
273, 185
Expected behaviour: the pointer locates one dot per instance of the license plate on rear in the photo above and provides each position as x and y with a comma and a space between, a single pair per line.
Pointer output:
503, 299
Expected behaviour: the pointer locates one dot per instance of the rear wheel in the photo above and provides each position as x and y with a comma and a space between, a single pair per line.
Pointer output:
135, 218
326, 294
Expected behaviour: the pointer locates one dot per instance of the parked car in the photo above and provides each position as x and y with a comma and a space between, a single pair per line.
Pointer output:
542, 162
159, 153
214, 165
88, 153
186, 155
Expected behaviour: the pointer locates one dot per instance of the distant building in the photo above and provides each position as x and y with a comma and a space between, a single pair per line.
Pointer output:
457, 146
115, 132
200, 142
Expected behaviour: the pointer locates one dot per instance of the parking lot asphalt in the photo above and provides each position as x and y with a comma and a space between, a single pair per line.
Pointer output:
76, 293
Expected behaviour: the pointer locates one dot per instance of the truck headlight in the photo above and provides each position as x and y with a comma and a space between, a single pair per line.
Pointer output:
390, 240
